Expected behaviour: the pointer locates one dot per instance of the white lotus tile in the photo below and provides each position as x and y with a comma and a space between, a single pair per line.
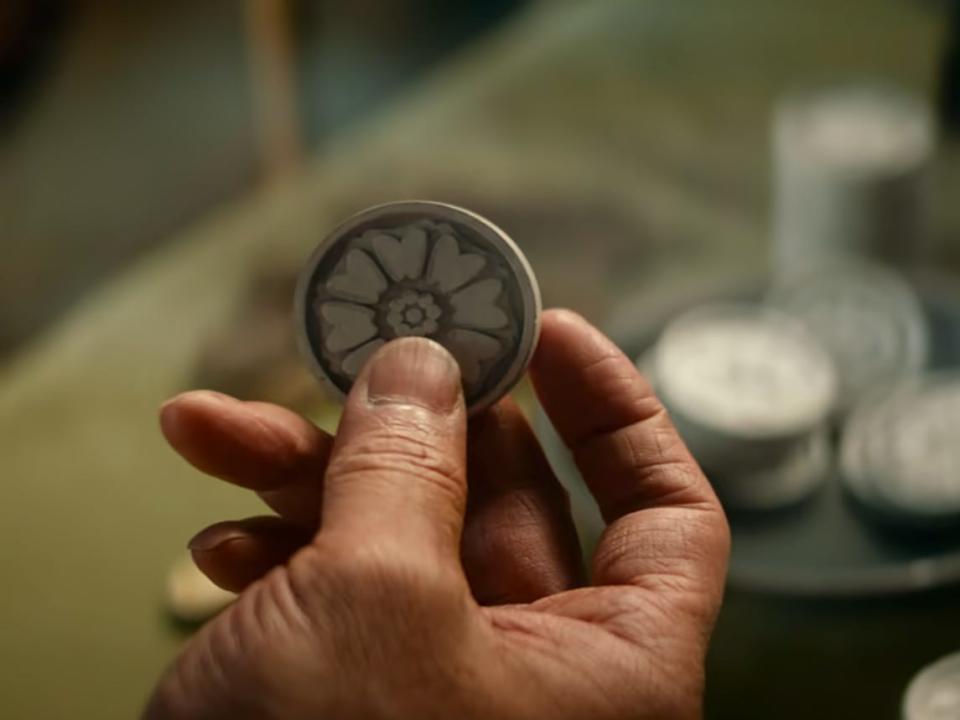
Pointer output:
350, 325
353, 363
360, 281
474, 306
448, 269
472, 350
422, 270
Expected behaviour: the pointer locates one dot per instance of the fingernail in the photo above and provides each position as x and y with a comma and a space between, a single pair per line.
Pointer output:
414, 371
214, 536
193, 396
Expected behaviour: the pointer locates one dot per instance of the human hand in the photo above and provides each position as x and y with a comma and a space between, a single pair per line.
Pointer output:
383, 591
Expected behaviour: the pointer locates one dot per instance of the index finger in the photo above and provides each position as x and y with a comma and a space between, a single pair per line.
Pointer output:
664, 518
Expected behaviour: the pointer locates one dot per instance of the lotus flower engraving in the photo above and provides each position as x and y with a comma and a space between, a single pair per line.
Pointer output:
416, 280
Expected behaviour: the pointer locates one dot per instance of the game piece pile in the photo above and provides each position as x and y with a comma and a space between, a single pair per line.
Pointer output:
829, 374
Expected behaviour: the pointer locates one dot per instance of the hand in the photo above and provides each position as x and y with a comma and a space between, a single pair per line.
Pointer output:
385, 590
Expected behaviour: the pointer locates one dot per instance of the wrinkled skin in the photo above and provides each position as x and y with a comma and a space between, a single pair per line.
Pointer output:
381, 590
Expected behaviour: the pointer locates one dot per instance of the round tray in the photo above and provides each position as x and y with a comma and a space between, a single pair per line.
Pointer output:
825, 546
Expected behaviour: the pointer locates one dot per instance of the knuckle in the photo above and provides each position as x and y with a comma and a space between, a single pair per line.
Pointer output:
202, 681
651, 463
674, 558
669, 546
381, 584
400, 449
615, 377
167, 701
385, 570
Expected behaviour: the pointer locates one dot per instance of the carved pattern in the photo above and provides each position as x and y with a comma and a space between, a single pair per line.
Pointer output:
418, 279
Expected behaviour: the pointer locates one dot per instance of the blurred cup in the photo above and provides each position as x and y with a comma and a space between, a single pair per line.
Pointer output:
850, 176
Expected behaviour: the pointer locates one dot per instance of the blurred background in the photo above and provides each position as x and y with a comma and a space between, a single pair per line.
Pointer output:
165, 169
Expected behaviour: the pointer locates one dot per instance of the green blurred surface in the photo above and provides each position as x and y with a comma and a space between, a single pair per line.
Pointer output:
618, 141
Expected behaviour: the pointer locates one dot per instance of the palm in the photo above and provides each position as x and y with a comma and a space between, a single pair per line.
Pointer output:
654, 675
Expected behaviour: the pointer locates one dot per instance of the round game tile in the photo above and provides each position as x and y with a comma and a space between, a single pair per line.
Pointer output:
424, 269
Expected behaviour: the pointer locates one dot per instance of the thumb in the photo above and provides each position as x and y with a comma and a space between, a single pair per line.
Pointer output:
396, 482
397, 472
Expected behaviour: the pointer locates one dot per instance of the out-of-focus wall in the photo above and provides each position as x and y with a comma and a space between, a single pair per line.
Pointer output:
137, 124
139, 117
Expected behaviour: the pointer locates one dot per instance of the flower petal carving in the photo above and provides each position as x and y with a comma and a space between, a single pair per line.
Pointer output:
402, 258
350, 324
361, 280
353, 363
474, 306
448, 269
471, 350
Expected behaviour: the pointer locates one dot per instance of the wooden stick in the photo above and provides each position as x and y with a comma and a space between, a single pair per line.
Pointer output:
275, 96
